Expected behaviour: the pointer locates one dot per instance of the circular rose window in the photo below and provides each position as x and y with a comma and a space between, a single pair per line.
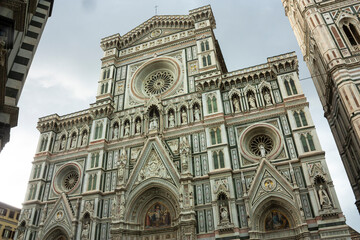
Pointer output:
158, 82
70, 180
67, 178
261, 143
159, 76
260, 140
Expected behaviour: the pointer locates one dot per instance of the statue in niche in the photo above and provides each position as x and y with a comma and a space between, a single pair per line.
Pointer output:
267, 98
121, 165
252, 101
73, 141
262, 150
153, 124
84, 139
171, 119
224, 214
138, 127
183, 117
127, 129
236, 104
197, 113
113, 207
63, 143
115, 131
85, 231
324, 198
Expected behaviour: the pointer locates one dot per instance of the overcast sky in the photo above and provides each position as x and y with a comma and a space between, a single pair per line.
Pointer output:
64, 73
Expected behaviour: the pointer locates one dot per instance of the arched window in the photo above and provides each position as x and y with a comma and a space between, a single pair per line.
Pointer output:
102, 88
108, 73
207, 45
304, 143
202, 46
297, 119
104, 74
287, 86
94, 182
218, 135
208, 59
221, 158
351, 33
214, 103
303, 118
98, 130
293, 87
209, 103
216, 160
97, 159
106, 87
92, 160
204, 61
213, 138
311, 142
90, 182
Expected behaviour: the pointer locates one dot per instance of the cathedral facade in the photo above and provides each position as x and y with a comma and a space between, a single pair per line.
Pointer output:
177, 147
328, 33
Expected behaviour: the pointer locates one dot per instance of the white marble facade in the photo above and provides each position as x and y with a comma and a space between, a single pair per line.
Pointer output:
176, 147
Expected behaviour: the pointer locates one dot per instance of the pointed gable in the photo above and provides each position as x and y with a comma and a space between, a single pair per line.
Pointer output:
269, 182
154, 162
61, 215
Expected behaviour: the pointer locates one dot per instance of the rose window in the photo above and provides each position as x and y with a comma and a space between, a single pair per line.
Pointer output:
67, 178
261, 142
70, 180
158, 82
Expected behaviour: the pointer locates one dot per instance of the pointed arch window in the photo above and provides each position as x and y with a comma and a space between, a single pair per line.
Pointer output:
218, 159
351, 33
303, 118
92, 160
104, 74
98, 130
208, 59
310, 141
215, 134
293, 87
204, 61
212, 104
90, 182
297, 119
207, 45
307, 142
202, 46
287, 86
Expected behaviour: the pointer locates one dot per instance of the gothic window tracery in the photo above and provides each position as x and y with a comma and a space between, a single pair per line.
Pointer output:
37, 170
290, 87
98, 130
92, 182
32, 192
300, 118
307, 142
212, 103
351, 31
95, 160
215, 134
205, 46
218, 159
43, 144
206, 60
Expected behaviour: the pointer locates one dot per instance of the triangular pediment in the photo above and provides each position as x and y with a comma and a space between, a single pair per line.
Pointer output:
157, 26
269, 182
154, 163
60, 215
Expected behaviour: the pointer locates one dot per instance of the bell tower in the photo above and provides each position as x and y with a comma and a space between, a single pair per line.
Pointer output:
328, 33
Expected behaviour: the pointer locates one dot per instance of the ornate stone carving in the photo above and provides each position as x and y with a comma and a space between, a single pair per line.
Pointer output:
174, 146
221, 185
184, 154
154, 167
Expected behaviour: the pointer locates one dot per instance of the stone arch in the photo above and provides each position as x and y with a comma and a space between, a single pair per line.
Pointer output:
145, 199
291, 224
57, 233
